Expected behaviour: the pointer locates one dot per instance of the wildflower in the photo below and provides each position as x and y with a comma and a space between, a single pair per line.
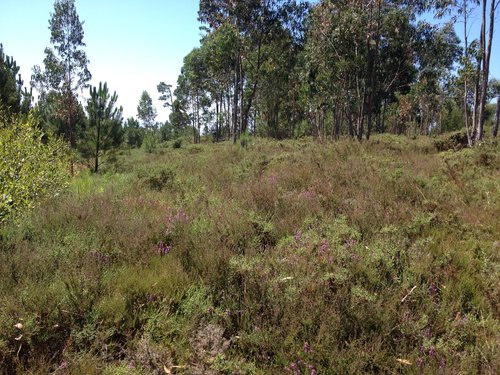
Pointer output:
163, 249
427, 332
419, 362
306, 194
306, 347
432, 351
350, 242
298, 236
324, 246
433, 289
312, 369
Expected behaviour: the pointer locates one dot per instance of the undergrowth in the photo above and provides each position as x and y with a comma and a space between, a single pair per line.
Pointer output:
277, 257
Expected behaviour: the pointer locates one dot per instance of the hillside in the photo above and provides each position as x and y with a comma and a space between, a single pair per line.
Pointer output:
278, 257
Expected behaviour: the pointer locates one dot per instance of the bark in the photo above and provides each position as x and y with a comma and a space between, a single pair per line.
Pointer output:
477, 88
97, 144
234, 127
466, 55
245, 113
497, 119
486, 66
217, 125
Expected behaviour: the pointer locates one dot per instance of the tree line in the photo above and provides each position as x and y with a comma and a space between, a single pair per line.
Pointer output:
280, 69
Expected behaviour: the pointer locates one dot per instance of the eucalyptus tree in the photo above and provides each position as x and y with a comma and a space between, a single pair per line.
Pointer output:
255, 24
192, 88
486, 41
146, 112
495, 91
104, 122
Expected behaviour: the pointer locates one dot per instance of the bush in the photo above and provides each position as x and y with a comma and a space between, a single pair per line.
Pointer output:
30, 167
454, 141
157, 178
177, 143
149, 142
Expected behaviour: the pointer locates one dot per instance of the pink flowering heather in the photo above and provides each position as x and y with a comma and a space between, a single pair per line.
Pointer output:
163, 249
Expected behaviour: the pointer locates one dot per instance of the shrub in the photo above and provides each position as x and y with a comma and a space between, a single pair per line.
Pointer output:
157, 178
454, 141
30, 167
177, 143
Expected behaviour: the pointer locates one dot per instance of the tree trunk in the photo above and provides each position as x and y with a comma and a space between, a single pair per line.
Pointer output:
97, 144
486, 66
497, 119
234, 127
216, 119
466, 55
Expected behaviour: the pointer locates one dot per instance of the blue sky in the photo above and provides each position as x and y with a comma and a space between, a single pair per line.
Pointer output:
131, 44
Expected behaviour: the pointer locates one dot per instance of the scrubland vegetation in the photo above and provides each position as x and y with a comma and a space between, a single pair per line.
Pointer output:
271, 225
278, 257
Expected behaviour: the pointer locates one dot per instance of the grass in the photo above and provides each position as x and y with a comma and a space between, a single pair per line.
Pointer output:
278, 257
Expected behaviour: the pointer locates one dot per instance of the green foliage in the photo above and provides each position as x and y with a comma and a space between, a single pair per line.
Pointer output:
372, 257
104, 130
31, 168
134, 134
146, 111
150, 141
177, 143
65, 71
10, 84
157, 178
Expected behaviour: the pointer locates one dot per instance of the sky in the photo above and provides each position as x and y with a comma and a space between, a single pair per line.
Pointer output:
131, 44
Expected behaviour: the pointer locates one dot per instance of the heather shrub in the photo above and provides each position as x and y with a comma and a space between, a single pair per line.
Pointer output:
284, 257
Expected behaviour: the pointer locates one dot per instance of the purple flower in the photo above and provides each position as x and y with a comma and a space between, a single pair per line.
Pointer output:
432, 351
306, 347
312, 370
307, 194
419, 362
298, 236
162, 248
324, 246
433, 289
101, 258
349, 243
427, 332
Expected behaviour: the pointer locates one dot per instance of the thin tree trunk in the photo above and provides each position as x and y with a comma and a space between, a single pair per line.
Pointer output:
486, 66
466, 55
97, 144
497, 119
216, 119
234, 126
477, 78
